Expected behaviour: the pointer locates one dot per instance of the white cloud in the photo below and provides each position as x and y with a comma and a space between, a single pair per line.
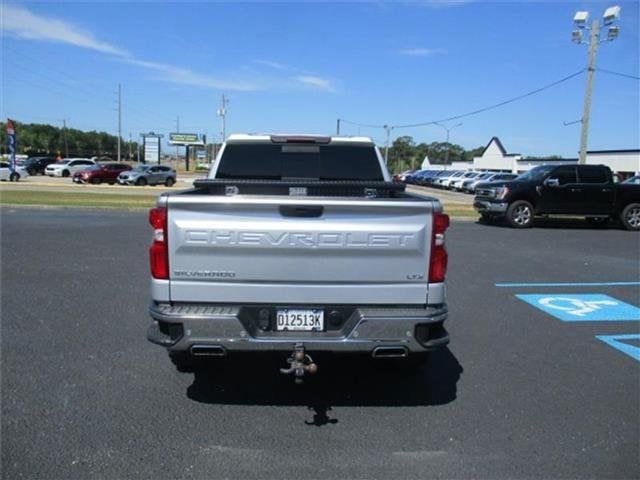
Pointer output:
20, 22
276, 65
184, 76
420, 52
318, 83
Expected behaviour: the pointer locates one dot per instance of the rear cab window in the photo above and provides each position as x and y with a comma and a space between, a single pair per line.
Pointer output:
269, 161
592, 174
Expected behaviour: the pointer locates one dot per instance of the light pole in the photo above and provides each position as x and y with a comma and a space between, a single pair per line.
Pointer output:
387, 129
448, 130
222, 112
611, 14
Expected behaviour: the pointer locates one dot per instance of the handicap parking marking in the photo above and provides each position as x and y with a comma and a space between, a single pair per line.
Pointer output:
616, 341
570, 307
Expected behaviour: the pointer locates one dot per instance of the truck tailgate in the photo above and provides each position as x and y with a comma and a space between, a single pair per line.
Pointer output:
274, 249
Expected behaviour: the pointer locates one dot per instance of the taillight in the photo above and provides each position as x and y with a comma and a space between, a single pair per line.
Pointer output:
438, 262
159, 251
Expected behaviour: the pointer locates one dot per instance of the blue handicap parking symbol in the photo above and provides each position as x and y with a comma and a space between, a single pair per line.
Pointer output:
583, 307
620, 342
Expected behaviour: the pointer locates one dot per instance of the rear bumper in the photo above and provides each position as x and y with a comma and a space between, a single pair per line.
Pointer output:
484, 206
233, 328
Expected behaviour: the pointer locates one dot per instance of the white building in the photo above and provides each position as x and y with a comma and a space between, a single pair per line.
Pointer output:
620, 161
495, 157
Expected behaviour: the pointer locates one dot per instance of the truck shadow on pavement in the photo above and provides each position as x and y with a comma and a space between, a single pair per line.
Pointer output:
339, 382
558, 223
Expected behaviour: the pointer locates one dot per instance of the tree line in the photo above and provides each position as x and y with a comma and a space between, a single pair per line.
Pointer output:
406, 154
43, 139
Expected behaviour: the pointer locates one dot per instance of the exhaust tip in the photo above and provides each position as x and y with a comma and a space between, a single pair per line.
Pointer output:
208, 351
390, 352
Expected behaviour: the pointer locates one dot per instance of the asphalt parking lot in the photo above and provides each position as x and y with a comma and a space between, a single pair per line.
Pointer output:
518, 393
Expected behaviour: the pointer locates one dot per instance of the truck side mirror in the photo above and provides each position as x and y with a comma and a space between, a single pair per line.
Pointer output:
551, 182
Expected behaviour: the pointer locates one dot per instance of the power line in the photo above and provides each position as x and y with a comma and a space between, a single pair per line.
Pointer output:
618, 73
496, 105
360, 124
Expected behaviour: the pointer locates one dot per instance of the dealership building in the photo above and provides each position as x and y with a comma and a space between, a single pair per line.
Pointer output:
496, 158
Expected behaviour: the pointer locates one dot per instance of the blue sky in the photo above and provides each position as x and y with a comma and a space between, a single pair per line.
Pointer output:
297, 67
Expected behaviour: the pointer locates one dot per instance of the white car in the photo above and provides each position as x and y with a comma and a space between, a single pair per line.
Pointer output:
456, 184
445, 182
67, 167
6, 174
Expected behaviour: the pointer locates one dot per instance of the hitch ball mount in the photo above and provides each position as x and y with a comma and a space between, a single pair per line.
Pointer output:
300, 364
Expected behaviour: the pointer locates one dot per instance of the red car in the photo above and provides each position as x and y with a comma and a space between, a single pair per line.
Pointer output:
102, 172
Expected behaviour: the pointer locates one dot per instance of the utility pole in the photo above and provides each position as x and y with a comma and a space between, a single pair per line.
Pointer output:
64, 135
129, 146
119, 118
338, 127
594, 41
448, 130
222, 112
387, 129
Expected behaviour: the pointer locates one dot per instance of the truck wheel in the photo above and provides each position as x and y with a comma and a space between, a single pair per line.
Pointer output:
520, 214
184, 362
630, 216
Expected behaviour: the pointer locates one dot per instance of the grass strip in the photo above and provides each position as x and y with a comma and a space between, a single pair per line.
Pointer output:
73, 199
80, 199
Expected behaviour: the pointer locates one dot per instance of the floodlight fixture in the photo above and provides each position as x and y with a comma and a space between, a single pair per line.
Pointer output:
611, 14
576, 36
613, 32
580, 19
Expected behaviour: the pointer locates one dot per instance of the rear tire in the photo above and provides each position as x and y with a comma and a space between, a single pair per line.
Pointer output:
14, 177
630, 217
141, 182
520, 214
169, 182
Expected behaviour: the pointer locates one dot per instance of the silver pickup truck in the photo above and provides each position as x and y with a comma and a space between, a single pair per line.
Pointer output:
297, 244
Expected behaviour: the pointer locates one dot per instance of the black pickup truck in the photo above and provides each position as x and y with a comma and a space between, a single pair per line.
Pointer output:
577, 190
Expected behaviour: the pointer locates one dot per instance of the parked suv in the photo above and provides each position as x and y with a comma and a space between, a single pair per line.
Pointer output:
578, 190
104, 172
148, 175
36, 165
67, 167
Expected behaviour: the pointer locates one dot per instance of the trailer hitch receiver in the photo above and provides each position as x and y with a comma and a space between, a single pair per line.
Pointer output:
300, 364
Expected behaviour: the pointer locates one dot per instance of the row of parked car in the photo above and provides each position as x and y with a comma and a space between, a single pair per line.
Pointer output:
97, 170
460, 180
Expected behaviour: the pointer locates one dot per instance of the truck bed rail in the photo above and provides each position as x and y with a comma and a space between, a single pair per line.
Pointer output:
304, 188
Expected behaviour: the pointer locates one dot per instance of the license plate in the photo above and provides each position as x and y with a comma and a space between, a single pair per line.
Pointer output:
299, 320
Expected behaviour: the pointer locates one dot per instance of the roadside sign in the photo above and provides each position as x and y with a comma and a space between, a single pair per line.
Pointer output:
624, 343
583, 307
187, 139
